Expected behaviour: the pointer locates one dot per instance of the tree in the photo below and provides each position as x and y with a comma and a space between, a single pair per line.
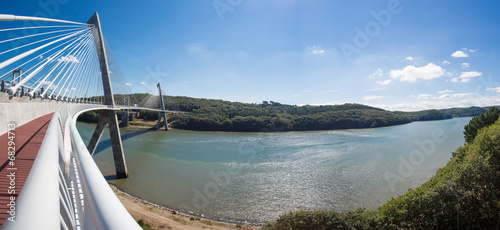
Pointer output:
485, 119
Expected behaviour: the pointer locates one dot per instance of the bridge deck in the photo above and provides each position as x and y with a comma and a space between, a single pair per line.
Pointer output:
28, 139
123, 107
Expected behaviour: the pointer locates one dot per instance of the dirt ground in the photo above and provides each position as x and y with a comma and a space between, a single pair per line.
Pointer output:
163, 218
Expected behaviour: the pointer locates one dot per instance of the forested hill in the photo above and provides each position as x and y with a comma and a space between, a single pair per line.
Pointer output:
219, 115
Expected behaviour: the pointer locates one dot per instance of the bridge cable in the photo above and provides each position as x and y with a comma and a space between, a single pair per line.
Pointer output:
14, 88
80, 39
38, 56
79, 47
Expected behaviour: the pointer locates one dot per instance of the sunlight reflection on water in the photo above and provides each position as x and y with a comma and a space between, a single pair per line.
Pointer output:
258, 176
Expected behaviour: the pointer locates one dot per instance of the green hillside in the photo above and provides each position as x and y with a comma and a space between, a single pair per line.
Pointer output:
219, 115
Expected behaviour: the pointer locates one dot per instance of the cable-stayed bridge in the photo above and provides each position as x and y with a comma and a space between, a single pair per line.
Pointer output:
49, 75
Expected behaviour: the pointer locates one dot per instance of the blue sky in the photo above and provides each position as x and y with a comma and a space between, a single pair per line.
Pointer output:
397, 55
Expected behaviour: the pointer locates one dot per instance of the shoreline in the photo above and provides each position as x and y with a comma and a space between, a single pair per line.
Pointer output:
163, 217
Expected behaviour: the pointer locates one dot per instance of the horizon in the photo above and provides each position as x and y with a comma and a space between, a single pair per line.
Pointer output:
395, 55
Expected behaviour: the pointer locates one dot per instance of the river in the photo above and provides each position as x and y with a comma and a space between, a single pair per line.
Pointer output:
255, 177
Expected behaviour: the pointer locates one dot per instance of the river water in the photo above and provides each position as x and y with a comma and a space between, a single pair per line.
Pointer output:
255, 177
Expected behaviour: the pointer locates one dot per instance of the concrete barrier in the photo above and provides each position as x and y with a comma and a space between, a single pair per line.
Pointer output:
22, 112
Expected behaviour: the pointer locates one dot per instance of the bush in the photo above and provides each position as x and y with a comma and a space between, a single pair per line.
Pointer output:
89, 117
149, 115
144, 225
359, 219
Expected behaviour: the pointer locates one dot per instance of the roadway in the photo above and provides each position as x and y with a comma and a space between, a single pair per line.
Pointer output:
124, 107
27, 141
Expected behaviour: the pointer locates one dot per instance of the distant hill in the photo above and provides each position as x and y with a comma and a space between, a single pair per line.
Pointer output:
425, 115
465, 112
220, 115
433, 114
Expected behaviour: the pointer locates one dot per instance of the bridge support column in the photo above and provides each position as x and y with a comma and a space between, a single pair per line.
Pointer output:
163, 116
108, 117
125, 118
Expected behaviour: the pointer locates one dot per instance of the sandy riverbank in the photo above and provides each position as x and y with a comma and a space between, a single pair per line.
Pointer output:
163, 218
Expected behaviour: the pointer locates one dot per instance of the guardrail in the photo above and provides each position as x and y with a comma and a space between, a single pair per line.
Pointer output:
65, 189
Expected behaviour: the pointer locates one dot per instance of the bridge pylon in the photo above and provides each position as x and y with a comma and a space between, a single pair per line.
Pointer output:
107, 116
163, 114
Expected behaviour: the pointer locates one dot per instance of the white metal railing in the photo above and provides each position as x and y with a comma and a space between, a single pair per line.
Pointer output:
65, 189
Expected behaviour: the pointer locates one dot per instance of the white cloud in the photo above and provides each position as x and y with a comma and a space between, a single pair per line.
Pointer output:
128, 84
143, 83
445, 91
456, 95
470, 74
315, 50
497, 89
442, 104
466, 76
459, 54
424, 96
446, 62
413, 74
372, 97
46, 84
473, 50
320, 104
461, 94
456, 79
69, 58
386, 82
465, 65
296, 95
409, 58
376, 89
377, 73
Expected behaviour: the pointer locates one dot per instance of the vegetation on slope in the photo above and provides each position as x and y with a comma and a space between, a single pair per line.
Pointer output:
465, 194
219, 115
344, 119
425, 115
465, 112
